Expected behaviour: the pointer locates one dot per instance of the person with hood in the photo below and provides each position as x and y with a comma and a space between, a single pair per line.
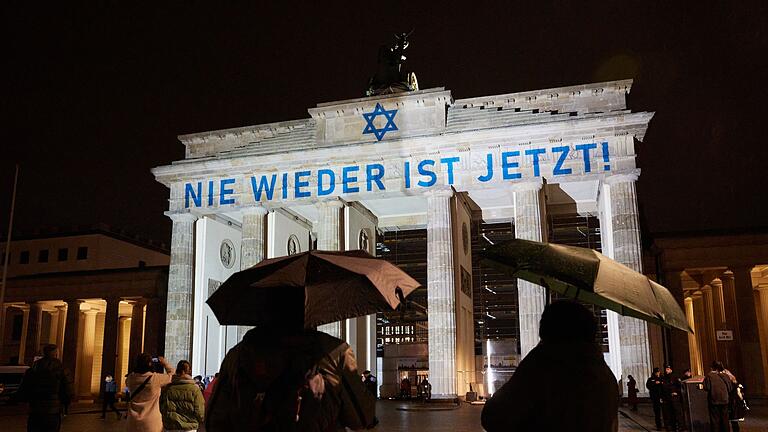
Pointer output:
284, 377
145, 386
534, 399
47, 386
654, 386
181, 402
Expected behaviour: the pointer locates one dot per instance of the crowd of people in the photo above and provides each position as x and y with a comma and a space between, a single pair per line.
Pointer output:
725, 399
289, 378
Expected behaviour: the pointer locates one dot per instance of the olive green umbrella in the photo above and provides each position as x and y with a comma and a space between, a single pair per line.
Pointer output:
589, 276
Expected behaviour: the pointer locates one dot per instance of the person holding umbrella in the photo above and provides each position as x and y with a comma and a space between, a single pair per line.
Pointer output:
285, 375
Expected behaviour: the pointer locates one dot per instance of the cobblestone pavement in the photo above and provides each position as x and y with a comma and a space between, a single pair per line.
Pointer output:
84, 418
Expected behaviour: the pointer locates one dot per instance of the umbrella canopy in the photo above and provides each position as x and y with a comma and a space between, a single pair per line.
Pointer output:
326, 286
589, 276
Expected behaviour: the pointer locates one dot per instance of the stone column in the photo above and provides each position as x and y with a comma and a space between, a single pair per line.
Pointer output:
762, 294
718, 300
3, 318
734, 361
627, 249
702, 340
24, 334
153, 326
86, 364
34, 330
724, 353
61, 317
754, 370
69, 348
181, 289
253, 244
136, 344
124, 331
679, 348
441, 295
329, 239
109, 345
693, 345
530, 224
709, 320
53, 327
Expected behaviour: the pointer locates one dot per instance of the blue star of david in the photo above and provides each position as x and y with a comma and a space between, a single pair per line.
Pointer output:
371, 116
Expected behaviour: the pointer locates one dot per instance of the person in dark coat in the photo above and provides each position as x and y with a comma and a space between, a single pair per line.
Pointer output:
654, 386
718, 387
672, 402
370, 383
47, 387
632, 392
109, 397
302, 379
534, 399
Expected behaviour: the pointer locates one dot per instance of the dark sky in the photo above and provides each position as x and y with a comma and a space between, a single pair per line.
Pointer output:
94, 98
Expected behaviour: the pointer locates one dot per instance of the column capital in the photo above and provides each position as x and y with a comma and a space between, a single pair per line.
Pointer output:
716, 282
256, 210
533, 185
727, 275
763, 287
182, 217
706, 288
61, 308
625, 177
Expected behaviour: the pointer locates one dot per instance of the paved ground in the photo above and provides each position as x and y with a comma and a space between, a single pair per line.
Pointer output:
756, 420
464, 419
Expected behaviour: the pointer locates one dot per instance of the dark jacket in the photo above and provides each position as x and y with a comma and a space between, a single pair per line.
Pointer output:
671, 387
255, 386
534, 399
46, 386
718, 387
655, 387
182, 405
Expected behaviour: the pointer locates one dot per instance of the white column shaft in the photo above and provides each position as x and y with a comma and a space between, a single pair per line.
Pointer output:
531, 298
627, 249
441, 296
181, 282
252, 245
329, 239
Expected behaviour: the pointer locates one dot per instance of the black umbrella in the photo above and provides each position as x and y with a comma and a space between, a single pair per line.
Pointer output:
315, 287
589, 276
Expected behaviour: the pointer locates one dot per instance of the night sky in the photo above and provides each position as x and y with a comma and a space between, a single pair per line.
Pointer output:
92, 99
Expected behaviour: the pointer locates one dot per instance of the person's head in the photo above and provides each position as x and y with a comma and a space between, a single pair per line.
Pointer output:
630, 377
668, 369
717, 366
50, 351
656, 371
198, 378
142, 363
687, 372
567, 321
108, 378
183, 368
